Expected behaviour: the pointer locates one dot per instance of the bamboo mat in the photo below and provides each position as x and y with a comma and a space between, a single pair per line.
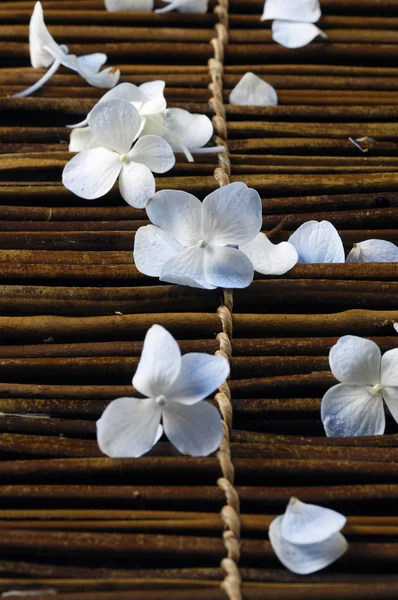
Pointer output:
74, 312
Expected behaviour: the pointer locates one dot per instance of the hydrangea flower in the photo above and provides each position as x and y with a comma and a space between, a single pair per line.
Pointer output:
45, 52
355, 406
307, 537
181, 129
116, 124
194, 243
121, 5
253, 91
293, 22
373, 251
318, 242
268, 258
187, 6
175, 387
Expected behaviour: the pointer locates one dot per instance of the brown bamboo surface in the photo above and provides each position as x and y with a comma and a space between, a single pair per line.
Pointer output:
74, 310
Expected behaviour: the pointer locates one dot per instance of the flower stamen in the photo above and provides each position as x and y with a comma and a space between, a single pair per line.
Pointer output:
161, 400
377, 389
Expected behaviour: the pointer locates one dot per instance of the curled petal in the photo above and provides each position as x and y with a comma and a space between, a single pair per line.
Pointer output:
159, 365
82, 139
253, 91
154, 152
294, 34
121, 5
91, 63
373, 251
152, 249
200, 375
107, 78
187, 268
269, 258
318, 242
137, 184
39, 37
355, 361
115, 124
92, 173
178, 213
222, 215
309, 524
189, 6
194, 430
352, 410
155, 101
129, 427
389, 368
305, 558
300, 10
194, 130
227, 267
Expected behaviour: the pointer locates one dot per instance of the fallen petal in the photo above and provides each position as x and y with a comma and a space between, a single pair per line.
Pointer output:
269, 258
294, 34
373, 251
253, 91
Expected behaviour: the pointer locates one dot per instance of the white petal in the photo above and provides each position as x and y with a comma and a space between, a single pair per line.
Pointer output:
195, 430
160, 363
355, 361
82, 139
253, 91
389, 368
92, 173
192, 6
128, 427
318, 242
121, 5
294, 34
124, 91
390, 395
154, 152
269, 258
178, 213
308, 523
137, 184
194, 130
352, 410
187, 268
154, 92
107, 78
396, 327
152, 248
232, 215
307, 558
39, 36
298, 10
200, 375
91, 63
227, 267
373, 251
115, 124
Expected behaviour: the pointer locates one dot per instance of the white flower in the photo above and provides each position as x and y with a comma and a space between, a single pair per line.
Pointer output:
269, 258
121, 5
190, 241
318, 242
396, 327
181, 129
45, 52
187, 6
307, 537
175, 387
253, 91
92, 173
355, 406
293, 21
373, 251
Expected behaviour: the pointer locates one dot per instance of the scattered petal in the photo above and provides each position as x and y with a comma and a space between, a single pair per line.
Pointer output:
200, 375
136, 183
292, 34
154, 152
152, 249
194, 130
178, 213
318, 242
269, 258
253, 91
373, 251
309, 524
115, 124
355, 361
190, 6
39, 38
92, 173
300, 10
91, 63
121, 5
154, 94
227, 267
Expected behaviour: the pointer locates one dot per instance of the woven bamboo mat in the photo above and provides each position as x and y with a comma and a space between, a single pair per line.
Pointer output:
74, 311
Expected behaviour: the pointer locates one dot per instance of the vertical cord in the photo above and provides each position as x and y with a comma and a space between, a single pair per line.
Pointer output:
230, 513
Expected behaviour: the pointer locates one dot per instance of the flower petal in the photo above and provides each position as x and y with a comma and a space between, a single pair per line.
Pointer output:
200, 375
39, 36
154, 93
91, 63
154, 152
352, 410
308, 523
227, 267
107, 78
222, 215
373, 251
294, 34
390, 395
318, 242
152, 248
187, 268
128, 427
253, 91
82, 139
92, 173
191, 6
160, 363
178, 213
306, 558
194, 130
300, 10
121, 5
389, 368
194, 430
124, 91
269, 258
355, 361
137, 184
115, 123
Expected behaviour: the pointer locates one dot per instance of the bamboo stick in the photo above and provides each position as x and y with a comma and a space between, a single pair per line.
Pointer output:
332, 130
